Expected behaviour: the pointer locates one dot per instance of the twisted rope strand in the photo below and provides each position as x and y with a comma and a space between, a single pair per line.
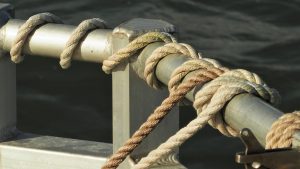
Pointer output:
137, 44
189, 66
26, 29
282, 131
76, 37
160, 53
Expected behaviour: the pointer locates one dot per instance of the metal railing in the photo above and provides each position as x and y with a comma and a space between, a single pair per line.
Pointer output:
130, 107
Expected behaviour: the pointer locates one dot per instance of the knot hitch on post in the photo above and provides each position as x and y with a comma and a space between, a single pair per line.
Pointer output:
256, 157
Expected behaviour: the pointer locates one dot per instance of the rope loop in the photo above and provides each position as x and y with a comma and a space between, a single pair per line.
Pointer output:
77, 36
137, 44
28, 28
190, 66
160, 53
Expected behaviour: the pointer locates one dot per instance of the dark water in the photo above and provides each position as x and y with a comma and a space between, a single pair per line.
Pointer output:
258, 35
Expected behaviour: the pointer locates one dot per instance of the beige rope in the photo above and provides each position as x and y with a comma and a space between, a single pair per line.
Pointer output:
137, 44
208, 102
26, 29
76, 37
188, 67
161, 52
282, 131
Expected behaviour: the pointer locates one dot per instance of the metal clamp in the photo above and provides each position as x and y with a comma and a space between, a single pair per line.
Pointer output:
256, 157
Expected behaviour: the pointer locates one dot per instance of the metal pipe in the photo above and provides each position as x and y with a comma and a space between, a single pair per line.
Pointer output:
50, 39
243, 111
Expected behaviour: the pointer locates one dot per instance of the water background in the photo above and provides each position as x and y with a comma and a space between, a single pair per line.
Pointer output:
259, 35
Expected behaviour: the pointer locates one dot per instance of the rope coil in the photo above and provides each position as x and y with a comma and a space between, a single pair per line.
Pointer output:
76, 37
26, 29
137, 44
160, 53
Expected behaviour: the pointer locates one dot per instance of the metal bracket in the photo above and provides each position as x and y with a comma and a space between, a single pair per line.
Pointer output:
256, 157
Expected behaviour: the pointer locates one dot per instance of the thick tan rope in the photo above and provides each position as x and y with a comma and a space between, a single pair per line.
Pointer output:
76, 37
160, 53
282, 131
190, 66
26, 29
208, 102
137, 44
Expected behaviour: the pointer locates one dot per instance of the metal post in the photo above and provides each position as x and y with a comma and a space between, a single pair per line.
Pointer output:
134, 100
8, 113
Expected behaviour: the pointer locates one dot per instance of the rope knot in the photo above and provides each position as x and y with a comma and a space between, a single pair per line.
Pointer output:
219, 91
206, 66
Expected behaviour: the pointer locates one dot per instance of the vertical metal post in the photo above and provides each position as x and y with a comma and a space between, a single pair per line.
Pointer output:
134, 100
8, 113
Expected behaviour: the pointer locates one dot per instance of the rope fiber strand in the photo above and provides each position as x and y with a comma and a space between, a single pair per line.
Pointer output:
26, 29
76, 37
137, 44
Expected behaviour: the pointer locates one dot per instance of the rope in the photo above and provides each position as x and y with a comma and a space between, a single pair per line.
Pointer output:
282, 131
160, 53
137, 44
190, 66
28, 28
76, 37
208, 102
